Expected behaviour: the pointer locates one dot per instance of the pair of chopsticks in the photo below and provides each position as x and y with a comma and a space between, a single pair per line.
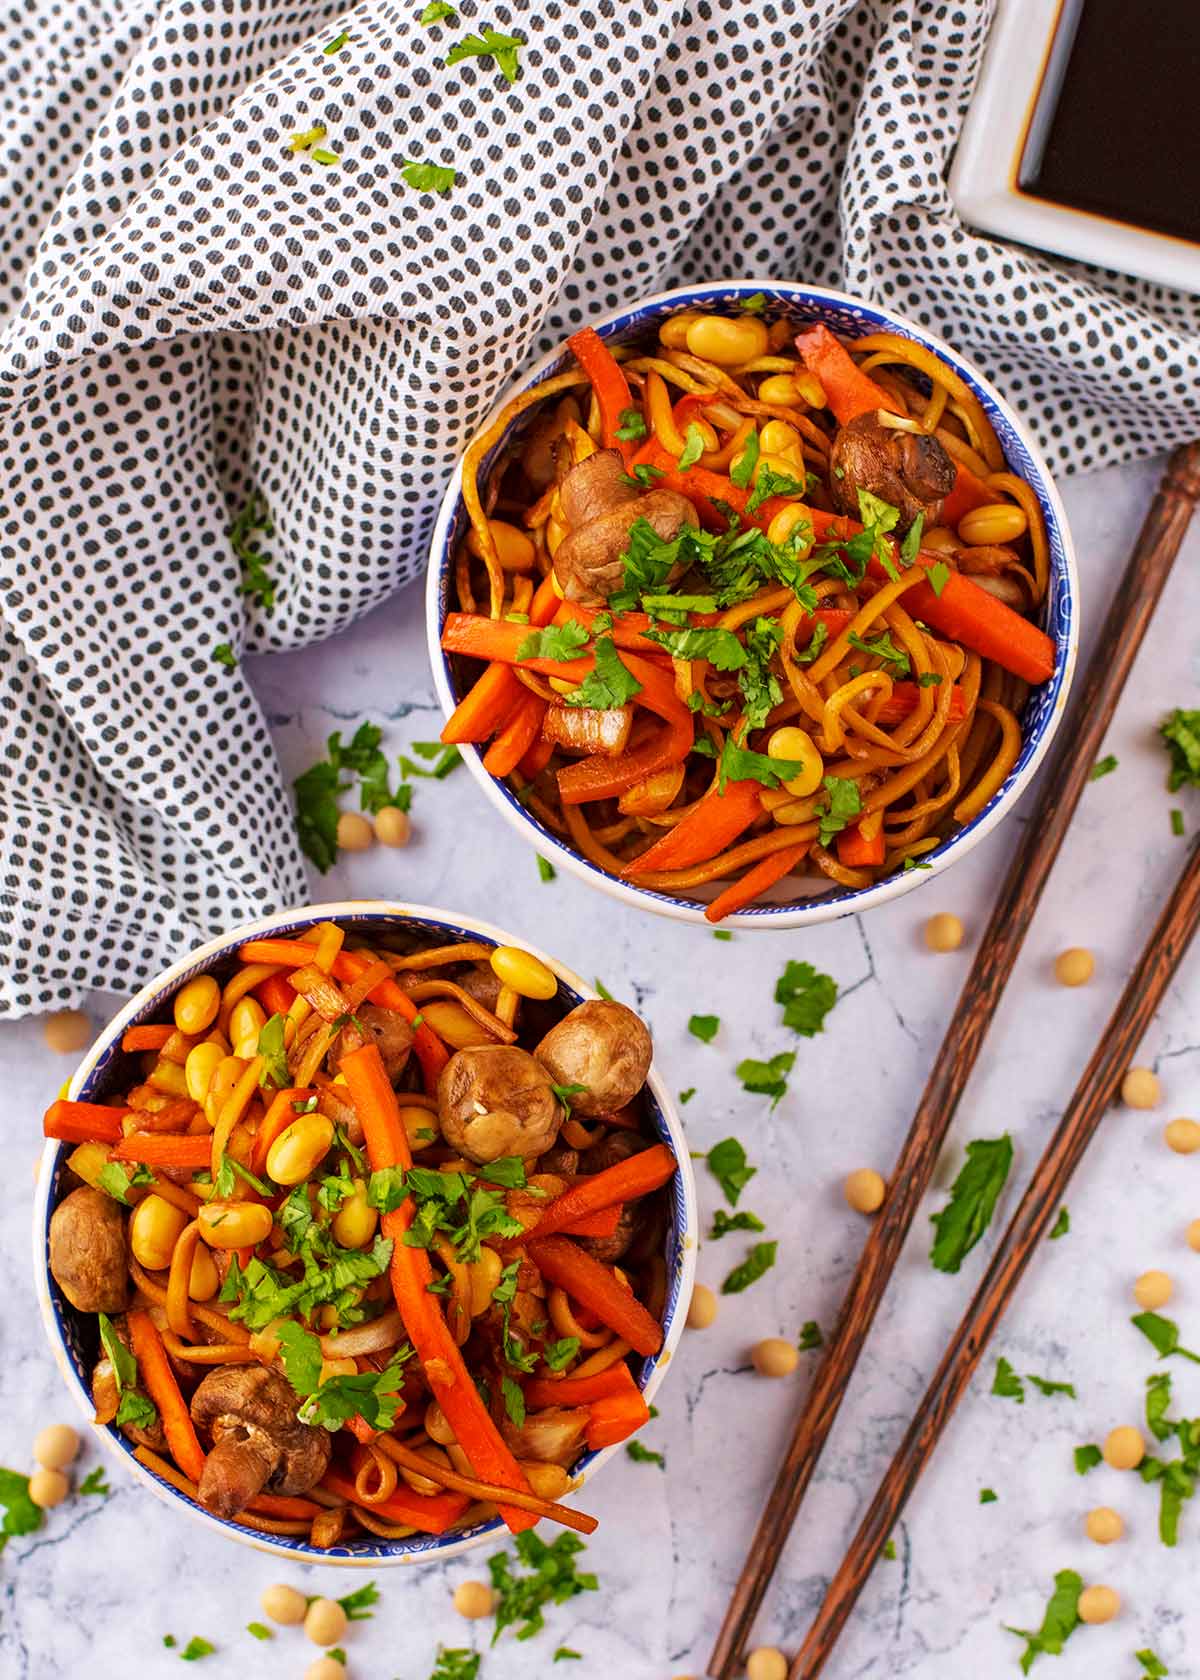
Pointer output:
1063, 782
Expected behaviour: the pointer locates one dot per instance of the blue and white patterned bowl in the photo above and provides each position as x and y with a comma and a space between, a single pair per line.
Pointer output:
1043, 712
105, 1071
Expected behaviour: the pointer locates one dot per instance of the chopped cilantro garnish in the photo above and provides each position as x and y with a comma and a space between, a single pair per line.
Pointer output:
768, 483
642, 475
810, 1336
704, 1027
456, 1663
271, 1049
95, 1483
1007, 1385
760, 1259
555, 641
196, 1648
334, 46
938, 576
224, 655
987, 1496
1177, 827
1180, 733
843, 802
551, 1578
631, 425
133, 1406
357, 1605
686, 1096
1087, 1458
117, 1181
428, 177
21, 1515
642, 1455
1061, 1225
1059, 1622
889, 1551
807, 996
1152, 1668
1163, 1336
1050, 1389
723, 1223
1103, 767
767, 1079
611, 683
741, 472
817, 641
259, 1630
727, 1163
721, 648
322, 154
973, 1197
883, 647
558, 1355
693, 447
742, 764
490, 44
373, 1395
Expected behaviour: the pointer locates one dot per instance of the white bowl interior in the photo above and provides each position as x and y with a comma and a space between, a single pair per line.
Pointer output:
72, 1335
1043, 711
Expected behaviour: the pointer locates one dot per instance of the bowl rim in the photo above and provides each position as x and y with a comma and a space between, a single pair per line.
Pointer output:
152, 995
828, 907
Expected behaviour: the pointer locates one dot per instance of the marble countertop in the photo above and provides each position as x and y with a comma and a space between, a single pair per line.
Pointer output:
105, 1579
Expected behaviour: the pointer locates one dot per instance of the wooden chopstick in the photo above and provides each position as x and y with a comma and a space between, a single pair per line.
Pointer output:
1096, 1090
1062, 785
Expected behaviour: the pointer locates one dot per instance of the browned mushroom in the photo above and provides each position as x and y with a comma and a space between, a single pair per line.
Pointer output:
494, 1100
908, 470
89, 1256
602, 1046
390, 1031
600, 511
258, 1442
614, 1248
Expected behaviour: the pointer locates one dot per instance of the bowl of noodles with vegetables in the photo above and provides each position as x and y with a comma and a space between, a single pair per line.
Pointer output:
365, 1233
752, 604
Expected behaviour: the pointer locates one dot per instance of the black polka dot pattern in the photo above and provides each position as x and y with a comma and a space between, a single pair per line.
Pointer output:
188, 310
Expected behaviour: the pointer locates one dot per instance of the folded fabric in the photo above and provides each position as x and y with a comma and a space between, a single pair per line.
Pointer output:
193, 311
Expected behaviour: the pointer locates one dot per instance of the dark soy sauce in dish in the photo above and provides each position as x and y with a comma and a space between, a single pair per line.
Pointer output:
1115, 130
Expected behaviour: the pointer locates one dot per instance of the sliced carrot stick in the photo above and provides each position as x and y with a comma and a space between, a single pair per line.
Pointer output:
857, 851
596, 1287
485, 707
276, 1120
411, 1274
848, 390
902, 702
517, 736
579, 1391
616, 1418
537, 758
80, 1122
165, 1149
432, 1514
146, 1038
281, 1505
158, 1379
635, 1176
608, 382
713, 823
276, 994
755, 882
602, 1223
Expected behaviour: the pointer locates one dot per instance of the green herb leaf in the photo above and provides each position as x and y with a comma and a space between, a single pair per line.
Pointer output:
720, 647
741, 764
603, 991
889, 1551
760, 1259
1087, 1458
428, 177
704, 1027
642, 1455
1158, 1404
938, 576
271, 1049
807, 996
1180, 733
768, 483
631, 425
1061, 1225
973, 1197
686, 1096
1102, 767
767, 1079
754, 304
546, 870
445, 760
551, 1578
1059, 1622
722, 934
1152, 1668
724, 1223
437, 11
816, 642
196, 1648
117, 1181
810, 1336
490, 44
21, 1515
843, 802
558, 1355
1177, 827
693, 447
642, 476
1163, 1336
95, 1483
133, 1406
358, 1605
259, 1630
224, 655
456, 1664
987, 1496
514, 1401
741, 471
727, 1163
883, 647
565, 1654
1049, 1389
509, 1170
610, 683
1007, 1384
911, 545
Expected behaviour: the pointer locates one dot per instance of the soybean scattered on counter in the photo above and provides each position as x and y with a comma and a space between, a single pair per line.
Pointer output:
944, 932
1140, 1088
1193, 1235
1074, 967
354, 832
767, 1663
865, 1190
1183, 1136
1124, 1447
774, 1357
56, 1446
1153, 1290
325, 1668
1098, 1604
474, 1600
702, 1310
67, 1031
283, 1604
1104, 1525
325, 1621
48, 1488
392, 826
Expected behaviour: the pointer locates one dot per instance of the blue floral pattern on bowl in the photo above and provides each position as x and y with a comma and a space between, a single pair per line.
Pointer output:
108, 1070
848, 319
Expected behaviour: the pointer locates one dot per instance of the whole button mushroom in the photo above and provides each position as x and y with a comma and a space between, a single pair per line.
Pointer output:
89, 1253
258, 1441
909, 470
605, 1048
495, 1100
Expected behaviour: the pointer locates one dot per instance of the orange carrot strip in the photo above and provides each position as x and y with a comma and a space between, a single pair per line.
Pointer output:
579, 1391
608, 382
158, 1379
857, 851
281, 1505
754, 882
432, 1514
485, 707
166, 1149
616, 1418
596, 1287
276, 994
411, 1274
602, 1223
635, 1176
145, 1038
80, 1122
517, 736
849, 391
712, 824
276, 1120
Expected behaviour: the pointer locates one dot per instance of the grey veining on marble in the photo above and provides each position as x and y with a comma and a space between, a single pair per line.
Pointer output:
95, 1591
